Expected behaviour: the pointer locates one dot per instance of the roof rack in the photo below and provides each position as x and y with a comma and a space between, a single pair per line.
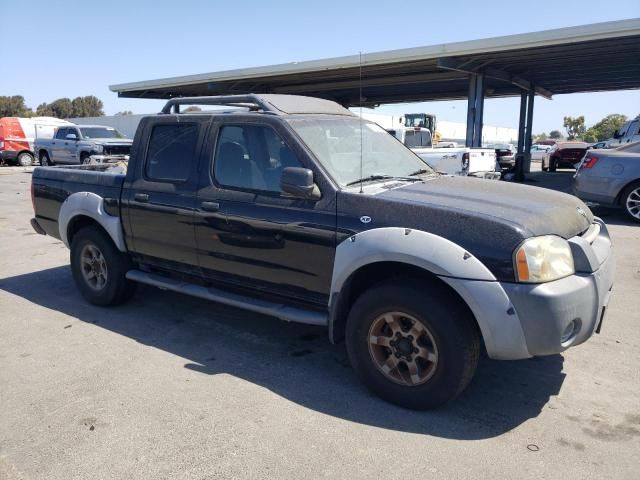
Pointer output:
251, 101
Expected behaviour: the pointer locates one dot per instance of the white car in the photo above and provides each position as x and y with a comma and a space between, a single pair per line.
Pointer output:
539, 151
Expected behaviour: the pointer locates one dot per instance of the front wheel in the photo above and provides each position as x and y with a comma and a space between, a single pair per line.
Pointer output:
412, 343
25, 159
45, 161
553, 165
99, 268
631, 201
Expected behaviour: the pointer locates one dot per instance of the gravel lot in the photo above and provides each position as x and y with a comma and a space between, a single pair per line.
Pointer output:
168, 386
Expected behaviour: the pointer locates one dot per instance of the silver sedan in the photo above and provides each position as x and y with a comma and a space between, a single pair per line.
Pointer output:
611, 177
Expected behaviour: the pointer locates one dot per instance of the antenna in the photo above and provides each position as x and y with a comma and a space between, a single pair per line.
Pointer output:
360, 102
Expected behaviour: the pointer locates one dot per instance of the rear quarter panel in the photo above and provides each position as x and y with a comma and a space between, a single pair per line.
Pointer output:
52, 186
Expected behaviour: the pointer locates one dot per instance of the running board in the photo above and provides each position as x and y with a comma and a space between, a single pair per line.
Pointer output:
278, 310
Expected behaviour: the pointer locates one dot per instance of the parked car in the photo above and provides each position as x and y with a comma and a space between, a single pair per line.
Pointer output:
538, 151
461, 161
17, 136
505, 154
628, 133
298, 209
78, 144
598, 145
611, 178
564, 155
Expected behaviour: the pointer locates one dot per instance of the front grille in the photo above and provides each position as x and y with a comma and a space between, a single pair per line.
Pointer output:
117, 149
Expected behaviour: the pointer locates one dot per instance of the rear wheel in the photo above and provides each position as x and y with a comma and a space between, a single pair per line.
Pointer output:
631, 201
99, 268
25, 159
412, 344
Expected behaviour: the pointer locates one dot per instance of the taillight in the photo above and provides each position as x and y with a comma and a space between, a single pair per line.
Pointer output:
590, 162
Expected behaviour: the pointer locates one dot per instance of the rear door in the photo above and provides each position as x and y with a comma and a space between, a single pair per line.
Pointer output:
248, 232
159, 194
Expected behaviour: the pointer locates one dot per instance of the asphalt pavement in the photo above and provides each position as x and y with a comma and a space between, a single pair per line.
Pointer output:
169, 386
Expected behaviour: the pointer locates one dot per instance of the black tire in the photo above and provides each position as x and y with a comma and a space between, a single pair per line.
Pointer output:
116, 289
45, 161
628, 199
553, 165
25, 159
452, 329
85, 159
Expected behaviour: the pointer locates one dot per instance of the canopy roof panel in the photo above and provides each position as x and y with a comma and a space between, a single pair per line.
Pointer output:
598, 57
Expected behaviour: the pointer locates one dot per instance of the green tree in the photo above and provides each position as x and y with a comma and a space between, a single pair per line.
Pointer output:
61, 108
14, 106
539, 137
605, 128
124, 112
555, 134
44, 110
574, 126
88, 106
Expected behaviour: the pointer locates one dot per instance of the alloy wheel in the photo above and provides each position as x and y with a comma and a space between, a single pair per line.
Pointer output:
402, 348
94, 267
633, 203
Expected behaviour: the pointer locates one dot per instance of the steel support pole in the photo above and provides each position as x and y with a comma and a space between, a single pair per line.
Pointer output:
523, 119
479, 113
529, 130
471, 110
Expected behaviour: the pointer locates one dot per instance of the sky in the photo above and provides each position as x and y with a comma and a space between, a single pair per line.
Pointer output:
53, 49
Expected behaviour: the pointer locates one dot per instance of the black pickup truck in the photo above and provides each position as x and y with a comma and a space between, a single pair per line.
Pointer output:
294, 207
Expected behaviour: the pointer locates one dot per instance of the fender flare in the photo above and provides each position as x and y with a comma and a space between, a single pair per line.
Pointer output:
464, 273
90, 205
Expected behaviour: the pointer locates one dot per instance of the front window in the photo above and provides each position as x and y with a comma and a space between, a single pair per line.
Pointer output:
339, 144
100, 132
418, 120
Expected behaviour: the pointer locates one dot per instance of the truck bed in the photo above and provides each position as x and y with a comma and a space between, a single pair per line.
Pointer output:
52, 186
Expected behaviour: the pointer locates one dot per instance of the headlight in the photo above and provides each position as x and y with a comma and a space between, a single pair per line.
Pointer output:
98, 148
543, 259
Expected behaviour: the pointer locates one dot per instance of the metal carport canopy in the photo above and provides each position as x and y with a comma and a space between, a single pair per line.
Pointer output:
597, 57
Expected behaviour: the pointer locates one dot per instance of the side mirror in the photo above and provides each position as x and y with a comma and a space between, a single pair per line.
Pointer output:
71, 136
298, 182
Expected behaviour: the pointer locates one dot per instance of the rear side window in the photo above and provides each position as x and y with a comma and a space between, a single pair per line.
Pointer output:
171, 152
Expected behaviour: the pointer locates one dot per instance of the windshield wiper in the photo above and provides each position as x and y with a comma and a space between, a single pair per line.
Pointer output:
370, 178
422, 171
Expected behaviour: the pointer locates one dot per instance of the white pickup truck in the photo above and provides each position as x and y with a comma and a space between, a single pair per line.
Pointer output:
462, 161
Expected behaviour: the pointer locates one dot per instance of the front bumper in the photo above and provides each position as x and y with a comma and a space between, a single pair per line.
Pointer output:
547, 311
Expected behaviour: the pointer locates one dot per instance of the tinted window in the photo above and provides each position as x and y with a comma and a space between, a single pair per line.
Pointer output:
100, 132
62, 133
171, 153
252, 158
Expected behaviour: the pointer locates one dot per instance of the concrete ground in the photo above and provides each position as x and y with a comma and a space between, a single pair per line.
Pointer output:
168, 386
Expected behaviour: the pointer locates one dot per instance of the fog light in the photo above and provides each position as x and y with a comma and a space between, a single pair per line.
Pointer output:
570, 332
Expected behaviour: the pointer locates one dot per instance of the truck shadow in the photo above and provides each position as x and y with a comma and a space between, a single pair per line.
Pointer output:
296, 361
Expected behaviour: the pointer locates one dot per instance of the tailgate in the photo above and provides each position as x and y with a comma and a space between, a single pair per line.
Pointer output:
482, 160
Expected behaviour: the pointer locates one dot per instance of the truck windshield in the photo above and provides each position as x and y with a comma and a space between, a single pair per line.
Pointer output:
100, 132
337, 144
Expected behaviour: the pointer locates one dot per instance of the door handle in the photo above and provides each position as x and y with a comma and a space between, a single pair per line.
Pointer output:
210, 206
141, 197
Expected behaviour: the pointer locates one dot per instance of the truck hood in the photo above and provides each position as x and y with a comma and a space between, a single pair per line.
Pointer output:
489, 219
533, 210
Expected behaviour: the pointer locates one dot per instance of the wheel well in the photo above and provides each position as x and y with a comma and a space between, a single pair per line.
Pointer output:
28, 152
41, 153
632, 182
84, 155
79, 222
374, 273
